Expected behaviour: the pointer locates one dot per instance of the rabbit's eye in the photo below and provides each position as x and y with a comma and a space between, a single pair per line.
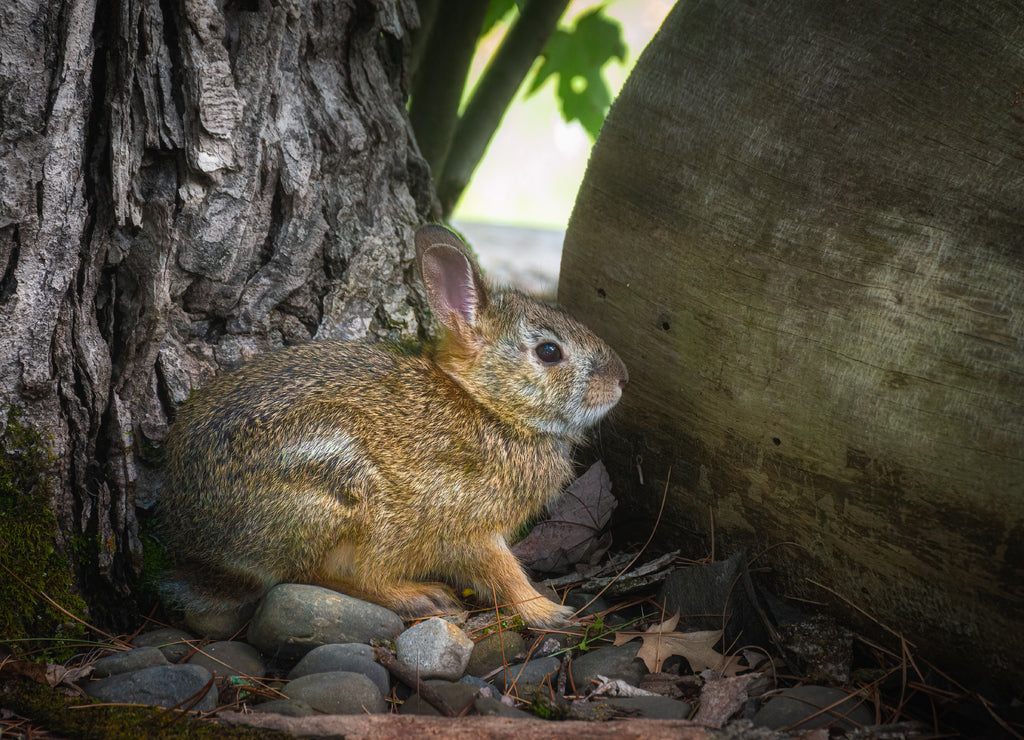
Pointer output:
549, 352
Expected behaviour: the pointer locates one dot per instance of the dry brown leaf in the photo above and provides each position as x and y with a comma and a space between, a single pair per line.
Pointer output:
571, 533
661, 641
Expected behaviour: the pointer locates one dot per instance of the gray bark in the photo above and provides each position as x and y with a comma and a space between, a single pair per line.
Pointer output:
802, 228
184, 185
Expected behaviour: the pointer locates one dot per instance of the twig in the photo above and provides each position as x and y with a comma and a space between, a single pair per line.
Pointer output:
657, 520
406, 675
120, 643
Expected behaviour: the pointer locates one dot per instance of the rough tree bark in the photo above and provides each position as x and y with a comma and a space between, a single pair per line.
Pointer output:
182, 186
802, 228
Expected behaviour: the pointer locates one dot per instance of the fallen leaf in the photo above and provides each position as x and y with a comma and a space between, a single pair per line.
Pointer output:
570, 535
661, 641
617, 687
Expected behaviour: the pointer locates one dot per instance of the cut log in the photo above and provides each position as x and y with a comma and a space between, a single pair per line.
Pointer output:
802, 228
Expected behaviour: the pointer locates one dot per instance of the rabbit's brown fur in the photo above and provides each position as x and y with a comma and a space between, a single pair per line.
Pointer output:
363, 469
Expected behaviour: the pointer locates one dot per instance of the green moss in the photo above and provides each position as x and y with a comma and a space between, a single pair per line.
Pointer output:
47, 707
155, 562
29, 562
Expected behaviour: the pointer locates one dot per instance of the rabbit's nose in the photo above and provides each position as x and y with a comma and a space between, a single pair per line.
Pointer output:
623, 382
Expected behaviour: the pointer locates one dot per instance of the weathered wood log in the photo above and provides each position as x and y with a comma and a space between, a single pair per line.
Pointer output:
802, 228
411, 727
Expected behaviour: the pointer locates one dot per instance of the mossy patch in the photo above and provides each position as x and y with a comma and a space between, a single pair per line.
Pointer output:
76, 717
28, 530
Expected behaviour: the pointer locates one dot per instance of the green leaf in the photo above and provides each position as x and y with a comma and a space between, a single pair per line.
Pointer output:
497, 11
576, 57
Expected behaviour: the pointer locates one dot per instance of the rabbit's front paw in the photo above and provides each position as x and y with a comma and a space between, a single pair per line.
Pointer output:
545, 614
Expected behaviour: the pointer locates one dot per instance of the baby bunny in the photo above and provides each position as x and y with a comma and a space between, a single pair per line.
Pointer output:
364, 468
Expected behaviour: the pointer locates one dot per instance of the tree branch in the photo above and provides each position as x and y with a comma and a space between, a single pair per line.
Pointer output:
408, 676
437, 88
493, 95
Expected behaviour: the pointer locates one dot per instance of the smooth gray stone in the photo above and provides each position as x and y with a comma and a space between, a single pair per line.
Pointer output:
434, 648
353, 657
652, 707
494, 651
611, 662
524, 679
159, 686
458, 695
337, 692
293, 618
218, 625
230, 658
128, 661
488, 706
286, 707
173, 643
791, 708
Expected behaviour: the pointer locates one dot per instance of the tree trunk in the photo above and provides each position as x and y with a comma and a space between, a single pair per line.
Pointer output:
802, 227
184, 185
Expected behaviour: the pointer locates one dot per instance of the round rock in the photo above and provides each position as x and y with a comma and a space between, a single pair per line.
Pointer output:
611, 662
494, 651
287, 707
127, 661
231, 658
488, 706
352, 657
218, 625
792, 709
175, 644
524, 679
435, 648
292, 619
457, 695
159, 686
337, 692
652, 707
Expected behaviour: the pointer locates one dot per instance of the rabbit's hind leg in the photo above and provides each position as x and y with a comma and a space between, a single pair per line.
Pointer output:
371, 579
408, 599
202, 590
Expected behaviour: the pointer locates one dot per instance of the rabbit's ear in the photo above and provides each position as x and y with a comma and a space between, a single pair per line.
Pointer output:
455, 287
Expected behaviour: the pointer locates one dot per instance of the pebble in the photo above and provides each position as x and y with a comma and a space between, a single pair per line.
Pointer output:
127, 661
294, 618
160, 686
792, 709
218, 625
286, 707
524, 679
651, 707
611, 662
353, 657
337, 692
488, 706
434, 648
327, 634
173, 643
457, 695
231, 658
494, 651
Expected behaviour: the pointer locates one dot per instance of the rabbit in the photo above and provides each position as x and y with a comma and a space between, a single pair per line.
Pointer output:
366, 469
